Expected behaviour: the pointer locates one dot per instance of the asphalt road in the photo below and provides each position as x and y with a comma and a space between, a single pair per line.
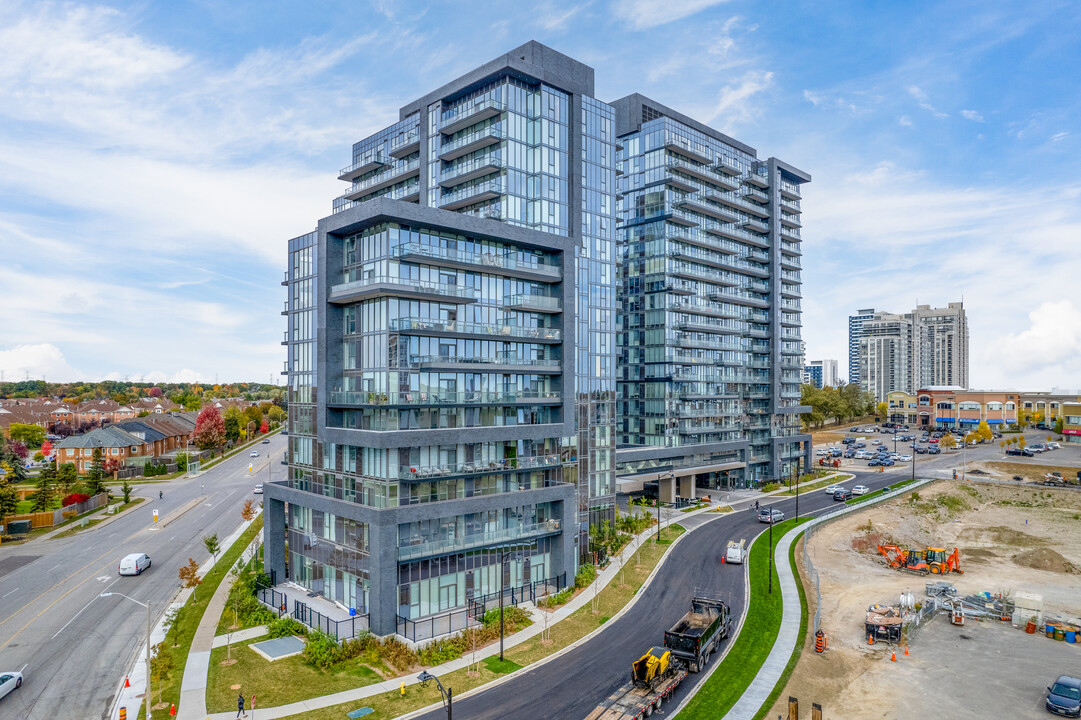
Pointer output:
74, 644
570, 687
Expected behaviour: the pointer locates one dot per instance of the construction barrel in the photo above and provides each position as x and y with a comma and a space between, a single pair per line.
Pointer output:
820, 642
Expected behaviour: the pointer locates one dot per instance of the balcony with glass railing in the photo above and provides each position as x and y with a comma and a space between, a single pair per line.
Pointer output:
454, 544
703, 173
790, 205
405, 144
790, 221
459, 117
435, 472
714, 343
756, 226
407, 191
738, 297
534, 303
678, 287
514, 264
442, 397
364, 165
757, 180
471, 142
459, 328
687, 148
701, 207
696, 272
385, 286
702, 307
694, 236
501, 362
389, 176
738, 203
791, 234
790, 191
463, 172
473, 194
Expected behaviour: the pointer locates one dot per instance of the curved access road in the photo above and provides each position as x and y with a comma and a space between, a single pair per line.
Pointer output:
571, 686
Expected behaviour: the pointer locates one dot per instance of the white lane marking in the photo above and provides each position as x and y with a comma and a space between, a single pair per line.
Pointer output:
102, 578
53, 567
171, 539
69, 622
8, 593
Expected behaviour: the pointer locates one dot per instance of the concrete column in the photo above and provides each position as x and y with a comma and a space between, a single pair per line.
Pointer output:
686, 487
274, 538
565, 554
383, 596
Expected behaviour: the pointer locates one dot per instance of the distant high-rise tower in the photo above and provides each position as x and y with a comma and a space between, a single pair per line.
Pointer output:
940, 346
821, 373
885, 354
855, 332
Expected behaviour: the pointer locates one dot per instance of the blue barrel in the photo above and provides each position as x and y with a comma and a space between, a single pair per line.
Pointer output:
1049, 630
1071, 636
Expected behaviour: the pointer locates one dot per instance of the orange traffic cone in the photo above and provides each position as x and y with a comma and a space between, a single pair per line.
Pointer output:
172, 709
893, 656
722, 559
126, 683
906, 650
870, 639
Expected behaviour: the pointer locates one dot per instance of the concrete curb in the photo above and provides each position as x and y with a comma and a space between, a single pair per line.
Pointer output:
769, 674
584, 597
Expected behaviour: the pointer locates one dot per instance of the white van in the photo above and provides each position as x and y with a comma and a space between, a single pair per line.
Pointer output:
133, 564
736, 552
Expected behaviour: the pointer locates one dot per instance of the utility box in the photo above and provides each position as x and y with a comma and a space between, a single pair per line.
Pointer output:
18, 527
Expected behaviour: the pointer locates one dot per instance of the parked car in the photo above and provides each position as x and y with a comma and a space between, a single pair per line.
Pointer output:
770, 515
1025, 452
861, 445
848, 441
905, 458
835, 452
133, 564
830, 489
921, 450
253, 453
934, 450
266, 441
933, 441
821, 452
850, 453
1037, 447
258, 489
9, 681
861, 490
1054, 446
841, 494
1064, 697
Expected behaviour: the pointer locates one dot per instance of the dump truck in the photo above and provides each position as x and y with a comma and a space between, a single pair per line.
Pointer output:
698, 633
654, 677
736, 552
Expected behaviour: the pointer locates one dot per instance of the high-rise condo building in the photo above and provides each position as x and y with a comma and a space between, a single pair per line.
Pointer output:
452, 338
855, 332
927, 347
821, 373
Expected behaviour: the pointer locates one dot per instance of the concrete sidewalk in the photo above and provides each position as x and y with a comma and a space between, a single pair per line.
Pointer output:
392, 685
240, 636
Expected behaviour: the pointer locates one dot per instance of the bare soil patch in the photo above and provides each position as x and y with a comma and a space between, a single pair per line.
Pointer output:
1012, 539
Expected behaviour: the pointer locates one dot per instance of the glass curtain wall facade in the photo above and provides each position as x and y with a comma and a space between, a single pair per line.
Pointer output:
464, 309
710, 312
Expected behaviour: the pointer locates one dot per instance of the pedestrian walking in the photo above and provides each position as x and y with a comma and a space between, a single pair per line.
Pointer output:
161, 495
240, 706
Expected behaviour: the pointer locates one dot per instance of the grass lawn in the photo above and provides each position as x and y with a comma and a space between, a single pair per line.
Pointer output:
878, 493
819, 484
24, 507
275, 683
79, 528
192, 613
750, 649
580, 623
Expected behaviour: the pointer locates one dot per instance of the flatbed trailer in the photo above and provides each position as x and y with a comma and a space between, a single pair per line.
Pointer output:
631, 702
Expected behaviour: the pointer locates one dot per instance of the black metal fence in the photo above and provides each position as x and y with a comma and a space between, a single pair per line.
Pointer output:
471, 615
338, 629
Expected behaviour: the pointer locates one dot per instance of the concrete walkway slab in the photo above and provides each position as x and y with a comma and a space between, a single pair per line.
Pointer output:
240, 636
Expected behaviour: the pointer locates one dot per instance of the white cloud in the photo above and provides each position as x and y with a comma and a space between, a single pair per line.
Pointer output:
37, 362
972, 115
551, 17
733, 106
1051, 342
905, 121
644, 14
1059, 136
924, 102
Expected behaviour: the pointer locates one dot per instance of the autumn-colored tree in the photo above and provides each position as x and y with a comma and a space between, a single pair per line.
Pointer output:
264, 427
46, 448
983, 431
154, 392
948, 442
209, 429
189, 574
112, 465
26, 433
248, 511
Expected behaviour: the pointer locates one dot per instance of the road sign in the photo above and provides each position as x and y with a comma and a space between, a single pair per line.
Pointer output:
155, 516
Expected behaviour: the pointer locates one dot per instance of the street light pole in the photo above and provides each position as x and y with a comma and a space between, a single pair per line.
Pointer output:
149, 701
448, 694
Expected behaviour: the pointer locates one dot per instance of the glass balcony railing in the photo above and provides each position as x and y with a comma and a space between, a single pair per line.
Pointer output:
409, 285
428, 472
473, 194
367, 163
505, 261
410, 324
408, 549
388, 175
539, 303
475, 361
461, 116
463, 171
492, 133
440, 397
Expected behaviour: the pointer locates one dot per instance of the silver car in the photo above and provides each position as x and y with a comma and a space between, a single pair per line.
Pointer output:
10, 680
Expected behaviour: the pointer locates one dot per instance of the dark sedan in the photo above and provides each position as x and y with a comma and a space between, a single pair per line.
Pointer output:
842, 494
1064, 697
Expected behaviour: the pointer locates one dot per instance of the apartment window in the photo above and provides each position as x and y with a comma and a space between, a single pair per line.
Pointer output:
115, 451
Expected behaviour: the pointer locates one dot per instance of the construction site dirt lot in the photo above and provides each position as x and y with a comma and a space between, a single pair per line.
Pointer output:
1011, 539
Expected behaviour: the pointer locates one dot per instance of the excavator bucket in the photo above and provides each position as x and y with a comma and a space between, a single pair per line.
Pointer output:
651, 666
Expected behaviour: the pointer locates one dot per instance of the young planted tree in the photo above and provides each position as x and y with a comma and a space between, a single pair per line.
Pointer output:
160, 666
189, 574
66, 476
947, 442
126, 489
212, 545
248, 511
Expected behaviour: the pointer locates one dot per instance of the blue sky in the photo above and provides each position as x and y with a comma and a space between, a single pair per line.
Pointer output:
156, 157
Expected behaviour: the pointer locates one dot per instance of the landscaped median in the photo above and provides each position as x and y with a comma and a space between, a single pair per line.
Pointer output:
730, 678
580, 623
878, 493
